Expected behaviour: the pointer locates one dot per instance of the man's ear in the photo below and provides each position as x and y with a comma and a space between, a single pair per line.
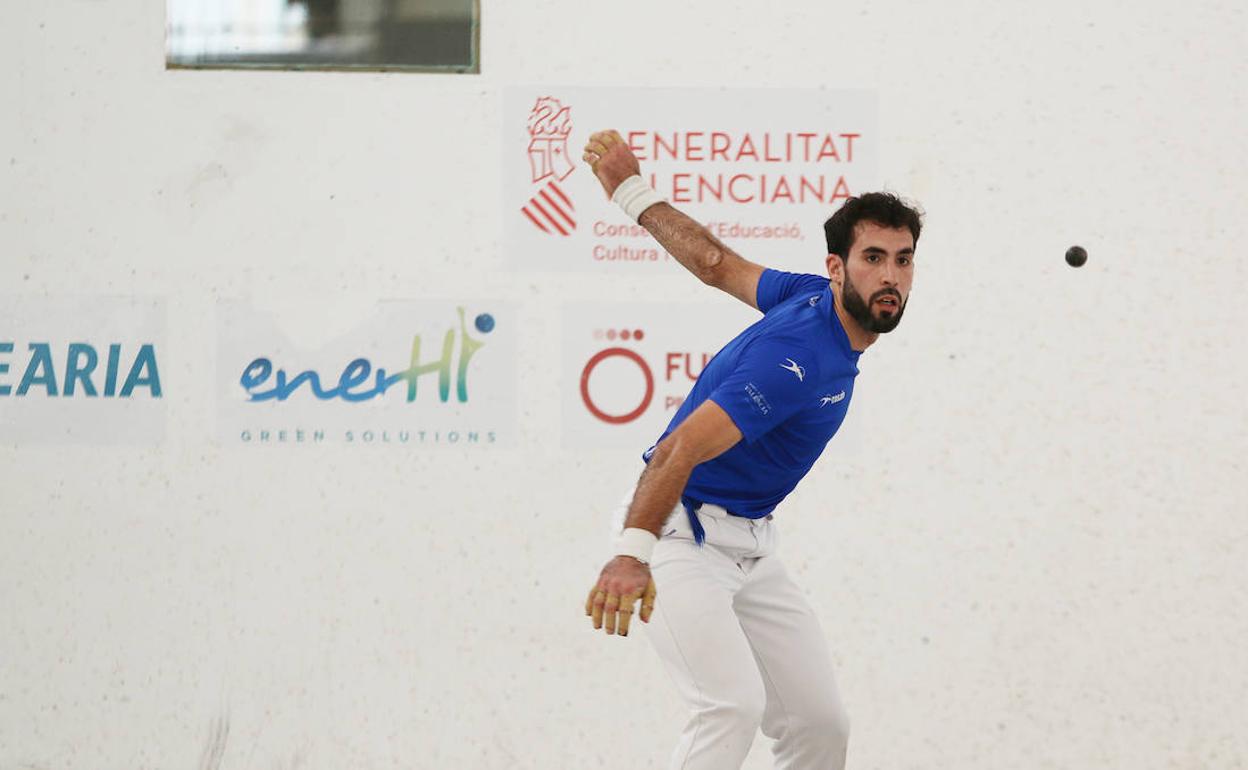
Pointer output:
836, 270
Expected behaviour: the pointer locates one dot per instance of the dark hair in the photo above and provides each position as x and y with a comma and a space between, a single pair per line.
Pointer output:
885, 209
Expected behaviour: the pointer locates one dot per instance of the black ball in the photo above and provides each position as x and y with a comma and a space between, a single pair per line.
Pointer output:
1076, 256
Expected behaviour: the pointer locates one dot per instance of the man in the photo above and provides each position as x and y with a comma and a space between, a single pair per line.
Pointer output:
737, 635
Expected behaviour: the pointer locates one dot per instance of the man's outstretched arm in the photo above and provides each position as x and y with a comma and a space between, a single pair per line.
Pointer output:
691, 244
707, 433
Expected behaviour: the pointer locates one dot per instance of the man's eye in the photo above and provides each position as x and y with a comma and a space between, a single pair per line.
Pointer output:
873, 258
903, 261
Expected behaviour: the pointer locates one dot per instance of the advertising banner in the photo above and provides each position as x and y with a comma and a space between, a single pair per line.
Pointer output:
629, 366
762, 169
82, 370
409, 374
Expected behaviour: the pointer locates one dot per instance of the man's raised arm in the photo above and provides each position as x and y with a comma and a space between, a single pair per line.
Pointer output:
689, 242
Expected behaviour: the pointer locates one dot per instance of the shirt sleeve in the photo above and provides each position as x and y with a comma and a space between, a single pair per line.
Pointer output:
769, 385
775, 286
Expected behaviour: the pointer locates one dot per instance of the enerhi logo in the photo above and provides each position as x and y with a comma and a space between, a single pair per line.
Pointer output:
550, 209
120, 372
359, 380
620, 384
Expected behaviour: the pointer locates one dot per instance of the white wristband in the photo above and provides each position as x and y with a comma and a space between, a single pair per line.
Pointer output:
637, 543
635, 196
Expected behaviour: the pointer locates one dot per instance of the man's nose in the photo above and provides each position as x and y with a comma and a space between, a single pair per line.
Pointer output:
890, 274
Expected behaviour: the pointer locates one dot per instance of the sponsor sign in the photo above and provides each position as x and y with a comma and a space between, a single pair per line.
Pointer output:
762, 169
402, 374
629, 366
82, 370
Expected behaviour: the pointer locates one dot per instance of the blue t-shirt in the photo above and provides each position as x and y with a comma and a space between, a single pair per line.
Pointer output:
786, 382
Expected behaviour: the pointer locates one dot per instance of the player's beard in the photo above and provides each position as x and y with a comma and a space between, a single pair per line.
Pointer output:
860, 309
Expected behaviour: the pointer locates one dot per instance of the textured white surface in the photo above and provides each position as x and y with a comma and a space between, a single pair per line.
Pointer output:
1035, 559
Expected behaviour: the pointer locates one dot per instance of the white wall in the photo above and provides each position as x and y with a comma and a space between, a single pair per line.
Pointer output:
1034, 558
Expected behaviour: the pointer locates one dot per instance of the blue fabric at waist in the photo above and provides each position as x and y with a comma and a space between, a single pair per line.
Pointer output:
695, 524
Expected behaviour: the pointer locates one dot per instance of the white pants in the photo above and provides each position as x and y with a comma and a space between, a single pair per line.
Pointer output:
743, 647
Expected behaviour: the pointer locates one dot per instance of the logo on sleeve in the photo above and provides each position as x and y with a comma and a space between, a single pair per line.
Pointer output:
761, 405
831, 399
793, 367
